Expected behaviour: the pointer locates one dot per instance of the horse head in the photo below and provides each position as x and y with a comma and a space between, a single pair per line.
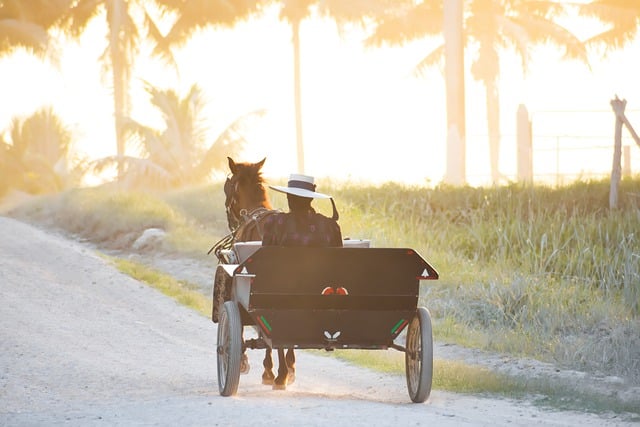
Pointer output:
244, 191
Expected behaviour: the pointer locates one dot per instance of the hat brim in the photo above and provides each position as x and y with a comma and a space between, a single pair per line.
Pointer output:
301, 192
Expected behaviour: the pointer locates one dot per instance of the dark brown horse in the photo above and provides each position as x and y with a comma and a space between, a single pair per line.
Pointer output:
248, 206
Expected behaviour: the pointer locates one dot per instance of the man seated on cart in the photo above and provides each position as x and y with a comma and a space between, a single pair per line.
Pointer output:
302, 225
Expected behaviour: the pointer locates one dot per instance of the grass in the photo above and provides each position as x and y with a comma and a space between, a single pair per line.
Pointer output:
452, 376
448, 375
115, 219
459, 377
549, 273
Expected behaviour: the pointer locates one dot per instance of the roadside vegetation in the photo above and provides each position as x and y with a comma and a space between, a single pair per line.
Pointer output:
546, 273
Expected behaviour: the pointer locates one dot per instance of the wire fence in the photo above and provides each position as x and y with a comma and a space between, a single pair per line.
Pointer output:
568, 146
572, 145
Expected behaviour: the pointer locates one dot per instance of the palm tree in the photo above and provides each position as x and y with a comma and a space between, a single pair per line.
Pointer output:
342, 12
125, 19
176, 156
292, 11
124, 36
37, 158
622, 19
27, 24
489, 27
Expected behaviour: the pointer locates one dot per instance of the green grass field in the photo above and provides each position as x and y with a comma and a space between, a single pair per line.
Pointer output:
549, 273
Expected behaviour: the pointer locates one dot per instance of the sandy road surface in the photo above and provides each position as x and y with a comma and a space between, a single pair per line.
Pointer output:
82, 344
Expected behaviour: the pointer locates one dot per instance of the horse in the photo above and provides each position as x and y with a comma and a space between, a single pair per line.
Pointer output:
247, 206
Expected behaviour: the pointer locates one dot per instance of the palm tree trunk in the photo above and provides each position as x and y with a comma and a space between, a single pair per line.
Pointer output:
118, 112
295, 27
118, 64
454, 78
493, 126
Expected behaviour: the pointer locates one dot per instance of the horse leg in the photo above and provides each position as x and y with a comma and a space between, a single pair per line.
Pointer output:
267, 375
280, 383
291, 364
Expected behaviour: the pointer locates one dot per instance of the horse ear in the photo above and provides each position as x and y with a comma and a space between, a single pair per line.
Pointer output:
261, 163
232, 165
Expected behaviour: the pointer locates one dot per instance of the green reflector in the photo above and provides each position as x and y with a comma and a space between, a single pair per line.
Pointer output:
265, 323
395, 328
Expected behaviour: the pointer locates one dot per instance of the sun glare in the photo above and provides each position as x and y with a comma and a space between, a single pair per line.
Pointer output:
366, 116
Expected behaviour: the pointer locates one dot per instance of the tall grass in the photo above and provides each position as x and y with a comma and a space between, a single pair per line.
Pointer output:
548, 272
564, 234
115, 219
529, 270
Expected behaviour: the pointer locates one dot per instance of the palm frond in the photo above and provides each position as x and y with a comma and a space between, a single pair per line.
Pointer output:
195, 15
16, 33
435, 57
80, 14
622, 18
38, 156
611, 12
612, 39
228, 144
161, 48
409, 23
352, 11
138, 173
542, 30
518, 37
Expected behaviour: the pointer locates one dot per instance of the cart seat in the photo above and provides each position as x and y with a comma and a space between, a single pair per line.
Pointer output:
356, 243
244, 250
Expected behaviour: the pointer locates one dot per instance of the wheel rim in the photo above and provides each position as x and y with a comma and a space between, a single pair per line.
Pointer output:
414, 356
229, 350
224, 342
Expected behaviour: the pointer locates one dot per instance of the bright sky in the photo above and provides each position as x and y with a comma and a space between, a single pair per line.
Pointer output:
366, 117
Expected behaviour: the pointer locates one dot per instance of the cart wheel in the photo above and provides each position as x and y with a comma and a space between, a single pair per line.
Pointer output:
229, 349
221, 292
419, 356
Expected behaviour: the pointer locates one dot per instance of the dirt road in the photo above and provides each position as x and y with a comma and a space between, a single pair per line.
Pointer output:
82, 344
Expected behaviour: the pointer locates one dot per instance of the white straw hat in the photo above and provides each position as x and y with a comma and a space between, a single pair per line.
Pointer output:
300, 185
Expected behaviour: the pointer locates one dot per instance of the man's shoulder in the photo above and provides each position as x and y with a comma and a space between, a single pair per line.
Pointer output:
274, 216
321, 217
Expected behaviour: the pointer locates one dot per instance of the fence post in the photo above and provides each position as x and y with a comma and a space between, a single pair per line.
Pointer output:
626, 161
524, 153
618, 106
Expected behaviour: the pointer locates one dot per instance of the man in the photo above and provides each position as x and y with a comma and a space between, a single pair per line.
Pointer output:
302, 225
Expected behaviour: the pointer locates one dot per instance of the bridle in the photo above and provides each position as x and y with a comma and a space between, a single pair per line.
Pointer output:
237, 218
230, 203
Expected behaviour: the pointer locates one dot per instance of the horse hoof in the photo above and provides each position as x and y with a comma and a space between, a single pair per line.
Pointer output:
268, 378
244, 365
292, 376
280, 383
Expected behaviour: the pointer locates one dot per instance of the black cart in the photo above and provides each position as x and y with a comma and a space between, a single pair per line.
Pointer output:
323, 298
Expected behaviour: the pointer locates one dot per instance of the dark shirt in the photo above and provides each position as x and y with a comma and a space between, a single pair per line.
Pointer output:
301, 229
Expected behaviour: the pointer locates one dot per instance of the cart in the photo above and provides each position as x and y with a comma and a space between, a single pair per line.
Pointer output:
323, 298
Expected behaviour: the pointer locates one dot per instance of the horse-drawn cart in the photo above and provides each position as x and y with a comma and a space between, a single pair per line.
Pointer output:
323, 298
